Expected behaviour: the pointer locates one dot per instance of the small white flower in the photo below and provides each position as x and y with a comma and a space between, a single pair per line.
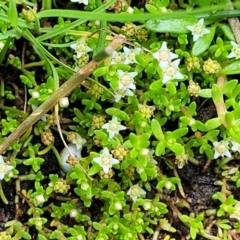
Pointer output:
164, 54
85, 2
64, 102
126, 79
235, 146
84, 186
35, 94
97, 23
170, 70
4, 168
236, 213
145, 151
113, 127
73, 213
80, 47
80, 237
117, 57
118, 206
147, 206
130, 55
79, 142
235, 53
120, 93
221, 149
163, 9
106, 160
135, 191
130, 10
40, 199
198, 30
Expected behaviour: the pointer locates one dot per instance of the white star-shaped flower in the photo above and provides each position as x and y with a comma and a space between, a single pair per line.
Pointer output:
130, 54
120, 93
80, 47
221, 149
236, 213
170, 70
106, 160
113, 127
126, 79
117, 57
164, 54
235, 146
235, 52
135, 191
198, 30
4, 168
85, 2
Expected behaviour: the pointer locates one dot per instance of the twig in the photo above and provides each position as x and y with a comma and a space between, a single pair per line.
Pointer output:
234, 23
156, 233
180, 188
63, 91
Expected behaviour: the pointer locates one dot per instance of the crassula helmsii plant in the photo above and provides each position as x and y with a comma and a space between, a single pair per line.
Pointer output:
122, 135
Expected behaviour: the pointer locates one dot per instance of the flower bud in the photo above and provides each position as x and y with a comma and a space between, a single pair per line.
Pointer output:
84, 186
73, 213
168, 185
80, 237
145, 151
64, 102
146, 206
118, 206
40, 199
35, 94
130, 10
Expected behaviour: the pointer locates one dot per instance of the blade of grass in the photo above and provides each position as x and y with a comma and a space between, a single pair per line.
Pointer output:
5, 48
42, 51
13, 13
21, 22
102, 34
125, 17
74, 24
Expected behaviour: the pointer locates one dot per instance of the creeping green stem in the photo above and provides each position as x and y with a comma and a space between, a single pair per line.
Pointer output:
47, 4
194, 161
14, 110
2, 195
150, 220
45, 150
55, 151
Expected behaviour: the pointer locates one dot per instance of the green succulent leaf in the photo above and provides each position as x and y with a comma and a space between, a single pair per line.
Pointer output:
232, 68
170, 25
206, 93
177, 148
213, 123
227, 31
157, 130
203, 43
